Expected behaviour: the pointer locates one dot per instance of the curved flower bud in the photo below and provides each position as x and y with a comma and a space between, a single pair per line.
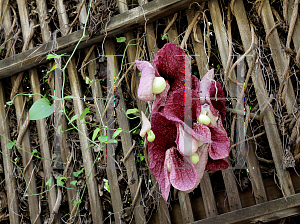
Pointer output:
159, 85
203, 118
150, 136
146, 82
146, 125
194, 158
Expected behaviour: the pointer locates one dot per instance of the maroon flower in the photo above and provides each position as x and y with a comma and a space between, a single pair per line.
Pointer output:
180, 152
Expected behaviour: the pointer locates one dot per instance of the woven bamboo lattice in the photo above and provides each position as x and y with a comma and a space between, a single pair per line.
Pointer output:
63, 169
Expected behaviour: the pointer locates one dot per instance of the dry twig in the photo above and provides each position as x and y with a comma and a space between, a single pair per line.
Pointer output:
171, 23
136, 194
129, 152
22, 131
189, 29
85, 62
78, 13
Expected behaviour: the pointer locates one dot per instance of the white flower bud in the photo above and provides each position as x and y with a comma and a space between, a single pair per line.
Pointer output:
159, 85
151, 136
204, 119
194, 158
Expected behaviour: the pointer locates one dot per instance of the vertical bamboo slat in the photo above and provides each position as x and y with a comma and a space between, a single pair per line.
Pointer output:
295, 36
34, 203
88, 160
131, 53
202, 63
228, 176
10, 180
33, 200
261, 94
41, 126
111, 166
126, 139
278, 55
259, 191
172, 32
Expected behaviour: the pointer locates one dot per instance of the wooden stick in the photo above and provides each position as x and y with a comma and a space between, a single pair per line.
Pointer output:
292, 26
78, 13
85, 61
170, 23
129, 152
136, 194
189, 29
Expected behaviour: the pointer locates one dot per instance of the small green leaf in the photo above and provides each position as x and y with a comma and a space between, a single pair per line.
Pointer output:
117, 132
76, 202
106, 186
112, 141
34, 151
165, 36
95, 133
132, 111
85, 112
102, 138
73, 118
51, 56
9, 103
40, 109
121, 39
10, 145
76, 174
91, 145
26, 195
73, 183
49, 182
87, 80
60, 182
52, 69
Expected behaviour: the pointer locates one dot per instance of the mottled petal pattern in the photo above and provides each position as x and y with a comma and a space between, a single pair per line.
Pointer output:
146, 82
183, 176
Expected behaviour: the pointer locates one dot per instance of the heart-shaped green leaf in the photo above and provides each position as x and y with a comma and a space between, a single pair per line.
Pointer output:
41, 109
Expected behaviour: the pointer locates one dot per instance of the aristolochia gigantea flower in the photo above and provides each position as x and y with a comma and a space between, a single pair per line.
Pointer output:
180, 153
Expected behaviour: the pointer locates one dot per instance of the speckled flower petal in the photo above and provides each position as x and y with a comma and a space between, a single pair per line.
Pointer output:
146, 82
205, 83
169, 62
165, 135
183, 176
220, 143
